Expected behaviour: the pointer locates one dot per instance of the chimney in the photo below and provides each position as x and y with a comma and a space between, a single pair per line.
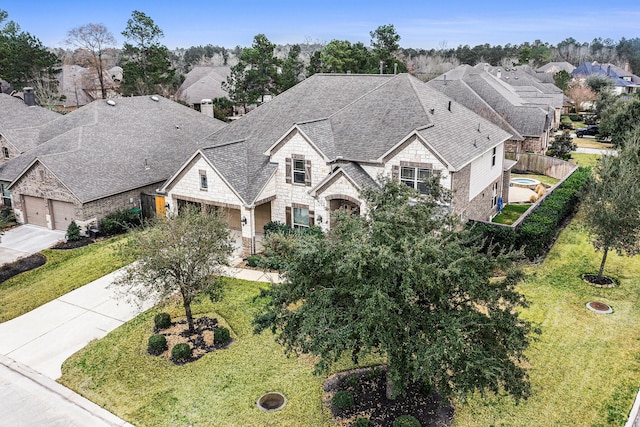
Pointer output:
206, 107
28, 96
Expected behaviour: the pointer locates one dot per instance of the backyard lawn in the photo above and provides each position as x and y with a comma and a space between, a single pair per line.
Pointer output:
585, 367
64, 271
511, 213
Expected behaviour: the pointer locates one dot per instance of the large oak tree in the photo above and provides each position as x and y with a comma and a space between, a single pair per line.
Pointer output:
406, 283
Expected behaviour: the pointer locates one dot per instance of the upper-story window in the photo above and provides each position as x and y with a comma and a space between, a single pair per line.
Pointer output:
203, 180
415, 177
298, 170
493, 156
5, 152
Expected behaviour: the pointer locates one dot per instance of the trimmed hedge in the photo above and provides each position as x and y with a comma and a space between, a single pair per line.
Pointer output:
157, 344
221, 335
536, 232
162, 320
181, 351
342, 400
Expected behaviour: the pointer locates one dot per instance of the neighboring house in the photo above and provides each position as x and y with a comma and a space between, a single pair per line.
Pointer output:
104, 157
312, 149
19, 127
555, 67
624, 82
79, 85
203, 82
528, 85
491, 97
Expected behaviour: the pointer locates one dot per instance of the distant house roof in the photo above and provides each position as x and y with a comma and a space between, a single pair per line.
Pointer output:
617, 75
109, 147
203, 82
349, 118
494, 99
554, 67
80, 86
19, 123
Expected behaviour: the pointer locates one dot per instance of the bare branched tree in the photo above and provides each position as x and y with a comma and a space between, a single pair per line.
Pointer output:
95, 39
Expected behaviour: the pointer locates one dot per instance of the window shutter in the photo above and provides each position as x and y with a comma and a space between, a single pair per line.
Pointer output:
307, 173
312, 218
287, 167
287, 214
395, 172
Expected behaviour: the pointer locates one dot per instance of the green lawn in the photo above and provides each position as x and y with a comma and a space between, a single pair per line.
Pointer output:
585, 367
582, 159
219, 389
511, 213
64, 271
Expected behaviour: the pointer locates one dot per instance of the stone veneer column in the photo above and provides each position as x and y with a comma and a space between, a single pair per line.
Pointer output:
248, 230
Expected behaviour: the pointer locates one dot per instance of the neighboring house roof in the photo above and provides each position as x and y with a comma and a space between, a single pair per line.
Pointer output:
554, 67
618, 76
203, 82
80, 85
357, 118
103, 149
19, 122
495, 100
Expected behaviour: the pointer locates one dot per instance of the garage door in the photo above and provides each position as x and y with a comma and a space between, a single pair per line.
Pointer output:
63, 214
36, 211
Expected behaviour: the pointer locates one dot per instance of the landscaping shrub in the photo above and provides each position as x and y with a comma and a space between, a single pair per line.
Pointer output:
181, 351
157, 344
352, 381
406, 421
221, 335
119, 222
7, 216
575, 117
342, 400
253, 260
363, 422
162, 320
73, 232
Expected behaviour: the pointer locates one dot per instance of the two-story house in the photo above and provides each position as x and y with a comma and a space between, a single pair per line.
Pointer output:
312, 149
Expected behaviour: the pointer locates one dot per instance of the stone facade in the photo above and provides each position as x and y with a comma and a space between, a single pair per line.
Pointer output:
536, 145
40, 182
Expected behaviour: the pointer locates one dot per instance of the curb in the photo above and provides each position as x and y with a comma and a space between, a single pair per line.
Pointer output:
62, 391
634, 420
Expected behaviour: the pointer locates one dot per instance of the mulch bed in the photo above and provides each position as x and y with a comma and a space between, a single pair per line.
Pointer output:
201, 342
21, 265
368, 387
600, 281
72, 244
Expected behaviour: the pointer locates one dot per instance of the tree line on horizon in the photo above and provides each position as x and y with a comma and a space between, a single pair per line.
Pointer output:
150, 67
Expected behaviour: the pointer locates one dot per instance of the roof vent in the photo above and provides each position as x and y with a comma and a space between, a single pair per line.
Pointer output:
432, 110
155, 98
111, 102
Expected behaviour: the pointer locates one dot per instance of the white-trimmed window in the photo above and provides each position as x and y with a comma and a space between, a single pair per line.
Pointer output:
493, 156
494, 197
204, 185
300, 218
299, 173
415, 177
298, 170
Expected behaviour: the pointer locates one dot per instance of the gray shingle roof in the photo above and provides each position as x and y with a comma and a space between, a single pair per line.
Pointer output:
203, 83
99, 150
527, 120
358, 117
19, 122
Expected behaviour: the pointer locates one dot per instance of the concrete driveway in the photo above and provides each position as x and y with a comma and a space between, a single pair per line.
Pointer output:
25, 240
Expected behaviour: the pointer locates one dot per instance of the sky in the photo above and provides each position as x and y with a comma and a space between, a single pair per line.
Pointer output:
422, 24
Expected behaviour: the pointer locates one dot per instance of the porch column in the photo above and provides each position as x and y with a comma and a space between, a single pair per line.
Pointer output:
248, 230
